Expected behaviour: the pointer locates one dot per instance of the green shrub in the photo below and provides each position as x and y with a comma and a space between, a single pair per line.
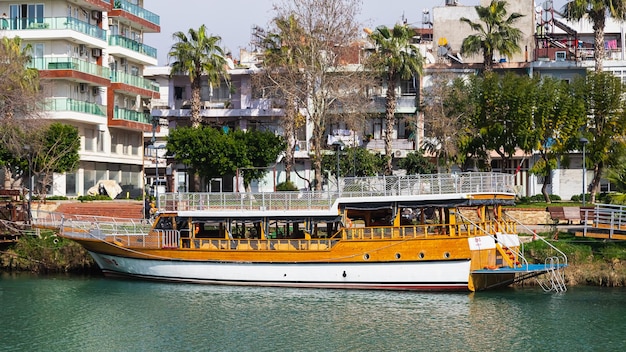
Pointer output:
538, 198
286, 186
600, 197
57, 198
96, 197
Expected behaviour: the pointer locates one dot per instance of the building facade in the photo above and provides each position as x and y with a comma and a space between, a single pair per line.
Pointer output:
91, 56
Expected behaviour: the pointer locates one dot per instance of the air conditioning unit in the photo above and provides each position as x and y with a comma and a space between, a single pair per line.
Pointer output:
82, 49
123, 61
96, 52
560, 55
95, 91
400, 153
83, 87
111, 21
96, 15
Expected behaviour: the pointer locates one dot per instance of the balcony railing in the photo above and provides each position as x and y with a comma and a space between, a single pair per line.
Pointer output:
137, 11
130, 115
133, 45
55, 23
69, 63
135, 81
69, 104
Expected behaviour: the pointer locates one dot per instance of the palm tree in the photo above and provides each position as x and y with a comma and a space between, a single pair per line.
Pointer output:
596, 11
395, 58
497, 34
282, 55
197, 55
19, 81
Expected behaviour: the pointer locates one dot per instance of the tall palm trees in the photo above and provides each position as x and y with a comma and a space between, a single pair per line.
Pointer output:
497, 34
197, 55
396, 58
597, 10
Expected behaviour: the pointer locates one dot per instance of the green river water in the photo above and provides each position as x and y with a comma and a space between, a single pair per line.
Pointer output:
69, 313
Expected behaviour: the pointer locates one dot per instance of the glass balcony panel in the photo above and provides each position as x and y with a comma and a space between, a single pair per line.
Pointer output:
69, 63
130, 115
69, 104
54, 23
137, 11
136, 81
133, 45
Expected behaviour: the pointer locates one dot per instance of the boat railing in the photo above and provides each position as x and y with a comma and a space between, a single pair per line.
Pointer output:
492, 228
87, 226
348, 187
170, 240
560, 258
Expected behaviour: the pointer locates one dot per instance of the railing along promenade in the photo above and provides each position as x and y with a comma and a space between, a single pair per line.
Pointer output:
349, 187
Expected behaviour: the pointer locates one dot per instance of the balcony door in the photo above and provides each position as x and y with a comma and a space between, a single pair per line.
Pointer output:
26, 15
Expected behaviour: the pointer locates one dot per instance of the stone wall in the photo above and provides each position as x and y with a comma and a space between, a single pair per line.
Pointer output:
524, 216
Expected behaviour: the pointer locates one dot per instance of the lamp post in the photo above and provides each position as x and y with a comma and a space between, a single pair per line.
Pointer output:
30, 181
339, 145
584, 142
156, 182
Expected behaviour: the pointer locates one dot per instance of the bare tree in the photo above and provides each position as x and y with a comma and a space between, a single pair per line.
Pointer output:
312, 55
445, 116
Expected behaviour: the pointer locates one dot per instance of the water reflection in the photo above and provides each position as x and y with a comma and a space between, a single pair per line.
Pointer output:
59, 314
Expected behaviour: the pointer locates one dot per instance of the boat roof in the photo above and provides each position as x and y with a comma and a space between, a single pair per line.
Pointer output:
437, 190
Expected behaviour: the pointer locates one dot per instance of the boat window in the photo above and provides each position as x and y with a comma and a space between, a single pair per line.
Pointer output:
208, 228
165, 223
182, 223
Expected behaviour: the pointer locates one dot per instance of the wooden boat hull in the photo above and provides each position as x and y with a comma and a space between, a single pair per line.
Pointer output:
434, 275
430, 232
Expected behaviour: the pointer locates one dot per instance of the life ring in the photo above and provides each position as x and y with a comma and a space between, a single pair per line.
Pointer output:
348, 223
491, 267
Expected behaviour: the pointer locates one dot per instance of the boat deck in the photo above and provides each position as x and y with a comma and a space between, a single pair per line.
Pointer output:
361, 190
538, 268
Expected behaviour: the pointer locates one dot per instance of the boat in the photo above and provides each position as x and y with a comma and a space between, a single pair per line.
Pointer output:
440, 232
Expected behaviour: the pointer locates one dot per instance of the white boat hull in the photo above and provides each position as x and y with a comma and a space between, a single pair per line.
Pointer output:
434, 275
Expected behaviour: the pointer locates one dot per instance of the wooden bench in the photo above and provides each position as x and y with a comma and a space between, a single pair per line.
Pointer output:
568, 214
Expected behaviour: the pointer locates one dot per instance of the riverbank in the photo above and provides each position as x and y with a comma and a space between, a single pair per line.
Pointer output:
591, 262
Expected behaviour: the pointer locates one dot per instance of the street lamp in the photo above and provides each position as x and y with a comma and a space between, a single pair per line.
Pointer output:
30, 181
339, 145
584, 142
156, 182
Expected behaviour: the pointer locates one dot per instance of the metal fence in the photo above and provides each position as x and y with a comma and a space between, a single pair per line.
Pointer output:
349, 187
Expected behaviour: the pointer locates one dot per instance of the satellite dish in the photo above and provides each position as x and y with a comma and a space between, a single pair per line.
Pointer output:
547, 6
442, 51
538, 9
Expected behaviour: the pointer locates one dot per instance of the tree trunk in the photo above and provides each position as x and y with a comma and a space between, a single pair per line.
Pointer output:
488, 60
390, 109
195, 103
290, 138
317, 154
598, 169
598, 31
544, 187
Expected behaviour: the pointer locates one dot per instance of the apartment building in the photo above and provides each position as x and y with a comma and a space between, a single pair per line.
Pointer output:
91, 56
239, 106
